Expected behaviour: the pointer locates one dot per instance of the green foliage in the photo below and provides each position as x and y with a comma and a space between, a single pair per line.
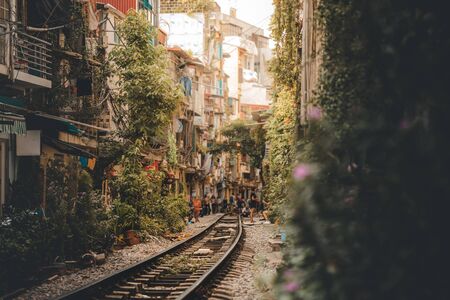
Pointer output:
280, 134
183, 263
143, 204
172, 153
147, 93
73, 224
285, 68
148, 96
371, 222
248, 140
286, 32
125, 217
85, 182
22, 236
110, 152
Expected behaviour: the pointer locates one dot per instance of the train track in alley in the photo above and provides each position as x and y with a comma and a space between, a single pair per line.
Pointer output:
184, 271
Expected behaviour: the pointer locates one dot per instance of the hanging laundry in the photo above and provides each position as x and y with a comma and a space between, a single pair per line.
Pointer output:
84, 161
91, 163
186, 82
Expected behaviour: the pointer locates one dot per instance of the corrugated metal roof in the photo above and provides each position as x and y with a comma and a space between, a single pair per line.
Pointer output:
122, 5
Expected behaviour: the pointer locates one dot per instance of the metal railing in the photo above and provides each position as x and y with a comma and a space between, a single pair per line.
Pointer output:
32, 55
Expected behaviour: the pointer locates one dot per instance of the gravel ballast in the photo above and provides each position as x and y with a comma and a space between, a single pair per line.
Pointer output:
256, 282
116, 261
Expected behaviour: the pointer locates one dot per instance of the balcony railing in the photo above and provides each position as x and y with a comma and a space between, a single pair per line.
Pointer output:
32, 55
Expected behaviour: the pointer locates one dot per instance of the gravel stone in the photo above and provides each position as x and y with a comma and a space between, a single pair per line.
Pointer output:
116, 261
256, 283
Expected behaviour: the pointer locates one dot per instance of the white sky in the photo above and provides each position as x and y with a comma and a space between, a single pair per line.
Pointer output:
255, 12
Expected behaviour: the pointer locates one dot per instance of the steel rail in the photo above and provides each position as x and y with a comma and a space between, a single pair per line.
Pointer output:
190, 293
91, 289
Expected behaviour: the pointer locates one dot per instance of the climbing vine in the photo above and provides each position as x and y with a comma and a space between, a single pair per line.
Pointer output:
285, 67
278, 165
373, 169
286, 32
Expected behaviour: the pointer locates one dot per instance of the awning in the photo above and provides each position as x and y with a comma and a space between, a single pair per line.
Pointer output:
43, 122
66, 147
12, 123
12, 101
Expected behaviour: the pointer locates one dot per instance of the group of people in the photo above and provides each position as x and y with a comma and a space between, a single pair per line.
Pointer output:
246, 207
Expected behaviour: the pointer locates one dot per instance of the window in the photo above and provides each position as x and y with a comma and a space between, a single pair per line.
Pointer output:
219, 87
149, 7
116, 36
257, 67
4, 11
196, 83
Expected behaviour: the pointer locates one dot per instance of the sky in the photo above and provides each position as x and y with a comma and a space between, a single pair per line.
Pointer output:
255, 12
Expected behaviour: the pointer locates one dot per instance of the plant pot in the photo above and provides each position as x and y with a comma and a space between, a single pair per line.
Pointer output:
132, 238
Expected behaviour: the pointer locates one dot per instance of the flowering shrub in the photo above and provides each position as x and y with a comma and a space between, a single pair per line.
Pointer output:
371, 222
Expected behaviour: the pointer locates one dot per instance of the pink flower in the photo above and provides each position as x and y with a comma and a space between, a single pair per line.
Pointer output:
352, 167
314, 113
288, 273
349, 200
301, 172
291, 287
405, 124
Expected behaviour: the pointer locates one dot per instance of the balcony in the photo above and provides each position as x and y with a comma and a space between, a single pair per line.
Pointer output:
31, 60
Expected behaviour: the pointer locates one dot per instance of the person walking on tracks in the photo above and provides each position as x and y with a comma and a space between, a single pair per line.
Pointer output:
225, 205
214, 204
208, 204
253, 206
197, 203
231, 203
240, 204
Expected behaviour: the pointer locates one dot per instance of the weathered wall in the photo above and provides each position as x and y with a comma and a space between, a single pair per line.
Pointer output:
311, 57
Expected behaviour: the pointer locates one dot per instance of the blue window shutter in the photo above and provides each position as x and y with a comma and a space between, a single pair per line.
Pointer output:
220, 51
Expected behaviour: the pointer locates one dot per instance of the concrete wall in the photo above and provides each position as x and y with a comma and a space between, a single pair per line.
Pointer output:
185, 31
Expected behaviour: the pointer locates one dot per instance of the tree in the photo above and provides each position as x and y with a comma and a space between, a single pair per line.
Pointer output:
147, 95
245, 138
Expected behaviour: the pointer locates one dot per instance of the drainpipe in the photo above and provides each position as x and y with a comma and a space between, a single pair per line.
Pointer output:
12, 23
157, 12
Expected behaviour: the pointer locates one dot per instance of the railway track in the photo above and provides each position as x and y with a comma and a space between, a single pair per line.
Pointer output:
180, 272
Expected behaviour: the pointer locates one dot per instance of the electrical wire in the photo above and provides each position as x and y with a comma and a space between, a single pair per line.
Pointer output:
245, 31
50, 15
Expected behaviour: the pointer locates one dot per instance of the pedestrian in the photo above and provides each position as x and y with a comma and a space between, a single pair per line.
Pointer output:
219, 204
214, 204
191, 212
245, 211
231, 204
240, 204
204, 206
225, 205
208, 204
253, 207
265, 210
197, 203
